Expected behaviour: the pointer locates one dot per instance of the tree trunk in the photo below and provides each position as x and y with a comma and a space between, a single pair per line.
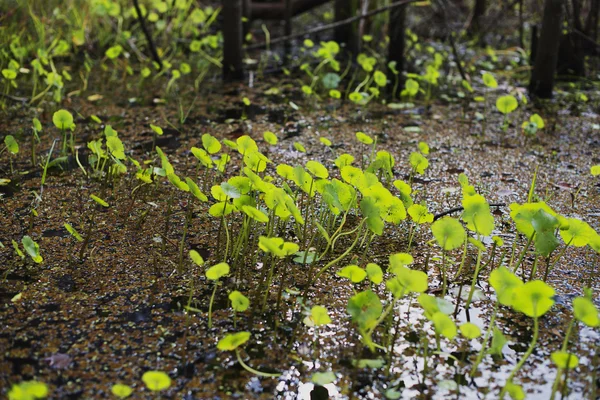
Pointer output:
233, 69
347, 34
542, 78
478, 13
397, 41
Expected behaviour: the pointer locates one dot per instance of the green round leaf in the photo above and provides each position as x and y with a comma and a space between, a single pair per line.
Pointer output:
196, 257
506, 104
62, 119
449, 233
353, 272
239, 302
564, 359
217, 271
156, 381
233, 340
470, 330
121, 391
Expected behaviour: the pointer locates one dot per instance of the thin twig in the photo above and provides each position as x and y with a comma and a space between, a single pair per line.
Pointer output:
331, 26
457, 209
147, 34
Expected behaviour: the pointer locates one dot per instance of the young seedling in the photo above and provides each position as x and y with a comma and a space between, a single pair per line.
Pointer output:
121, 391
91, 225
35, 139
12, 146
506, 105
239, 303
232, 342
215, 273
449, 234
533, 299
156, 381
156, 131
63, 120
28, 390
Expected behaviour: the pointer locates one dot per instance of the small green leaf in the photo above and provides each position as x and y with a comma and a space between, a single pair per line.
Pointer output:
11, 144
270, 138
73, 232
239, 302
323, 378
210, 143
565, 360
196, 257
99, 200
374, 273
586, 312
448, 233
233, 340
353, 272
506, 104
32, 248
444, 325
364, 138
217, 271
121, 391
489, 81
470, 330
319, 316
62, 119
156, 381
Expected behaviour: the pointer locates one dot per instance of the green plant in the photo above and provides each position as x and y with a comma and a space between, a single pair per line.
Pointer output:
215, 273
12, 146
63, 120
28, 390
506, 105
156, 381
232, 342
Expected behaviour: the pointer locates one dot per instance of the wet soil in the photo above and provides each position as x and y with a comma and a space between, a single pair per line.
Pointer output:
83, 324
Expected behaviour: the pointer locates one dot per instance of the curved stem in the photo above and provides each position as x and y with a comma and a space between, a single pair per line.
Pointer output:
254, 371
212, 298
536, 331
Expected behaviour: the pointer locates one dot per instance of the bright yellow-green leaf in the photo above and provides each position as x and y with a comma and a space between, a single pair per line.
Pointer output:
595, 170
506, 104
586, 312
299, 147
515, 391
156, 129
364, 138
448, 233
270, 138
196, 257
444, 325
325, 141
62, 119
470, 330
156, 381
319, 316
233, 340
564, 359
418, 163
121, 391
353, 272
534, 298
317, 169
504, 283
73, 232
217, 271
420, 214
374, 273
255, 214
210, 143
477, 215
239, 302
489, 80
99, 200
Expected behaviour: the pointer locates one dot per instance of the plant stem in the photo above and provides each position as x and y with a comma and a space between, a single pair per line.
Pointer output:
212, 298
559, 370
536, 331
482, 352
254, 371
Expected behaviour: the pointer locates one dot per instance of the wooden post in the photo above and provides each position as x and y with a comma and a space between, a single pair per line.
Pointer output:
397, 28
542, 77
233, 69
347, 34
